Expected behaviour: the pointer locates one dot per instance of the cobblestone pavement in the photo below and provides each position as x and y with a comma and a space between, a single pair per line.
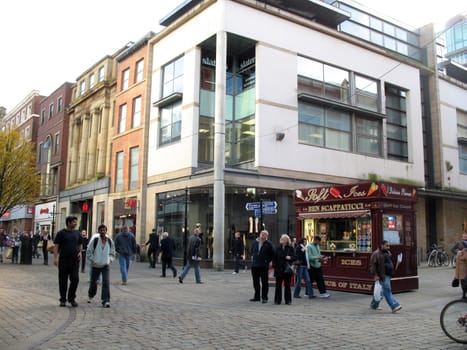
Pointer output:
159, 313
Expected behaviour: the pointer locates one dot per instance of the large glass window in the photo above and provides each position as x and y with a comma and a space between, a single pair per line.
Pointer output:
173, 77
101, 74
134, 165
82, 87
463, 157
122, 118
171, 123
136, 120
396, 111
119, 172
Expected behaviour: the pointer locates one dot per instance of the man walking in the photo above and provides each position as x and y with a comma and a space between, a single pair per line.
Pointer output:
237, 251
153, 242
167, 250
382, 269
67, 255
125, 246
263, 253
193, 257
315, 260
100, 253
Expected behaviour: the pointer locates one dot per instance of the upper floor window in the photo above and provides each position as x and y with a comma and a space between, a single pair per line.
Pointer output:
134, 165
59, 104
139, 70
42, 116
462, 140
125, 79
92, 80
101, 74
51, 110
82, 87
122, 118
396, 113
57, 144
119, 172
172, 77
136, 119
171, 123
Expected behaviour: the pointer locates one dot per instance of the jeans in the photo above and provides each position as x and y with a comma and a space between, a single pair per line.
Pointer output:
387, 293
260, 274
96, 272
124, 261
302, 271
68, 268
188, 266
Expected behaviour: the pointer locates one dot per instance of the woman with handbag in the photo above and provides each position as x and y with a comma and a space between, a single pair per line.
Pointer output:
283, 269
45, 239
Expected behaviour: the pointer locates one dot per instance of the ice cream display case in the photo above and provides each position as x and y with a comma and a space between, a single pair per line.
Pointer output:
352, 221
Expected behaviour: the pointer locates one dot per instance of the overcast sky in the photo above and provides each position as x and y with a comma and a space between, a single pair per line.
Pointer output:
48, 42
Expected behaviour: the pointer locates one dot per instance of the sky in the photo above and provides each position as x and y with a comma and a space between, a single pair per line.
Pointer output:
49, 42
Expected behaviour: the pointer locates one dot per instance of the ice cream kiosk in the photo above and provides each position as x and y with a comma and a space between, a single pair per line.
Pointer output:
352, 221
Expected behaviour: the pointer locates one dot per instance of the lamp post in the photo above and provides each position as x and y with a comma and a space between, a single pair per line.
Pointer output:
52, 230
185, 230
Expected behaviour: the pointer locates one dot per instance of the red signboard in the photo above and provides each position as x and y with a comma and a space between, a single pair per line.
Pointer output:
130, 203
44, 211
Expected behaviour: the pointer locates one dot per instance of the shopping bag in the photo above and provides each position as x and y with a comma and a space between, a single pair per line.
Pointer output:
9, 253
50, 245
377, 291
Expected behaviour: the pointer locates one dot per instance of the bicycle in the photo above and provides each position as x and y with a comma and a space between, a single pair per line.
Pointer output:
453, 320
437, 257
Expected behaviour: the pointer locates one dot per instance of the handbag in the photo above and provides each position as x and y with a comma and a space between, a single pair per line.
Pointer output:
455, 283
377, 291
9, 253
50, 245
288, 270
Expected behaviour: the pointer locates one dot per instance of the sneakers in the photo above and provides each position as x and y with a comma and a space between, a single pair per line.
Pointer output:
106, 304
234, 273
324, 295
397, 308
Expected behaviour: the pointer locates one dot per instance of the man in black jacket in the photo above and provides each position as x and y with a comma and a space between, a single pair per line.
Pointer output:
167, 250
153, 242
193, 257
237, 251
263, 253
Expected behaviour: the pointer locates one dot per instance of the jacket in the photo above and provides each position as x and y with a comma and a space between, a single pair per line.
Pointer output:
237, 247
102, 255
167, 247
279, 262
300, 255
125, 243
262, 256
313, 252
194, 244
381, 264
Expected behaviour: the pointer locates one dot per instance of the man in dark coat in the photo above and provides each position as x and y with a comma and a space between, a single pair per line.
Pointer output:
263, 253
153, 242
193, 257
167, 250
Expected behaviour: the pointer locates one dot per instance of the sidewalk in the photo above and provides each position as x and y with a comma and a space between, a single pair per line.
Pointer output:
159, 313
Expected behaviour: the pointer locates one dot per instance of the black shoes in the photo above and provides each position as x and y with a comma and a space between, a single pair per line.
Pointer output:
253, 299
62, 304
73, 303
180, 280
264, 301
175, 273
162, 276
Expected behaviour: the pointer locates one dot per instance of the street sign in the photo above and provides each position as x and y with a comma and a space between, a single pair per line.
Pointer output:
270, 205
257, 205
266, 211
252, 206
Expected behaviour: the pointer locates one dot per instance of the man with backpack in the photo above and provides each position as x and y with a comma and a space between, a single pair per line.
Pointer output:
100, 253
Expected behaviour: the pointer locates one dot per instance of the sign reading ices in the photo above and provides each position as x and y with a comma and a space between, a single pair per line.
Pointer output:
359, 191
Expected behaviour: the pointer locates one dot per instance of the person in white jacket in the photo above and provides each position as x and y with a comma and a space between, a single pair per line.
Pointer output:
100, 254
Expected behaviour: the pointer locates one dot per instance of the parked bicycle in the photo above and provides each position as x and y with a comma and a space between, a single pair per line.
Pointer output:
437, 256
453, 319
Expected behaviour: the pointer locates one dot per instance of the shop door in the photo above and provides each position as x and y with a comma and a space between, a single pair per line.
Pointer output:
410, 245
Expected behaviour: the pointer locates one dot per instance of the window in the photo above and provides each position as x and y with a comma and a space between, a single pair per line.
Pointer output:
82, 87
139, 70
392, 228
57, 144
122, 118
119, 172
42, 117
59, 104
463, 157
134, 162
366, 93
462, 140
101, 74
125, 79
136, 120
51, 110
92, 80
27, 132
173, 77
396, 113
171, 123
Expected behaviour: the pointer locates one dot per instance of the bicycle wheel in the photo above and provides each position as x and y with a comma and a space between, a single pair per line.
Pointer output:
445, 259
454, 261
453, 319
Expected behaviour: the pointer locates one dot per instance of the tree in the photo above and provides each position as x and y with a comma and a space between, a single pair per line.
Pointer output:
19, 182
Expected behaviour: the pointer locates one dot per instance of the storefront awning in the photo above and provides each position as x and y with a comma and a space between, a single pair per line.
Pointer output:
334, 214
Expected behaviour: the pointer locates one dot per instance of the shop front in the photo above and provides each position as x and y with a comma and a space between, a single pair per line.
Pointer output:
352, 221
44, 217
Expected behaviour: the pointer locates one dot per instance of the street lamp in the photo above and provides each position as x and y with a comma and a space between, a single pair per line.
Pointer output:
185, 231
52, 230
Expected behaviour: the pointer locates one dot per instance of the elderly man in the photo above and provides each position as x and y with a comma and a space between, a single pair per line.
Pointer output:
168, 251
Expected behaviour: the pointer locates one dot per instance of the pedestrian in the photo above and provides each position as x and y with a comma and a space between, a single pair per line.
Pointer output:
153, 249
167, 253
237, 250
125, 246
100, 253
45, 240
193, 257
382, 269
36, 237
262, 255
302, 270
315, 260
3, 241
461, 264
283, 259
67, 255
26, 248
85, 239
15, 243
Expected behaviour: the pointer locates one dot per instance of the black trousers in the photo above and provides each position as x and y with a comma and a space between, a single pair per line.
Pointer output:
45, 253
316, 274
287, 291
260, 282
83, 260
167, 262
68, 268
152, 256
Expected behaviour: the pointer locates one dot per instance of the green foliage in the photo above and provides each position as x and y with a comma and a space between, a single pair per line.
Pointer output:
19, 183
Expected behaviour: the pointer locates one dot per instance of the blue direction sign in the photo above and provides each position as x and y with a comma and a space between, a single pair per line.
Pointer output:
266, 211
257, 205
272, 205
252, 206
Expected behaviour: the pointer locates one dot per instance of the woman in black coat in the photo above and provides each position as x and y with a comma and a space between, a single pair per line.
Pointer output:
283, 262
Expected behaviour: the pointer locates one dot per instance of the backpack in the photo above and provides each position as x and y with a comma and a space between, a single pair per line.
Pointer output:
95, 240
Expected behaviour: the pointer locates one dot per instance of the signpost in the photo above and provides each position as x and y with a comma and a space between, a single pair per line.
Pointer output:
262, 208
